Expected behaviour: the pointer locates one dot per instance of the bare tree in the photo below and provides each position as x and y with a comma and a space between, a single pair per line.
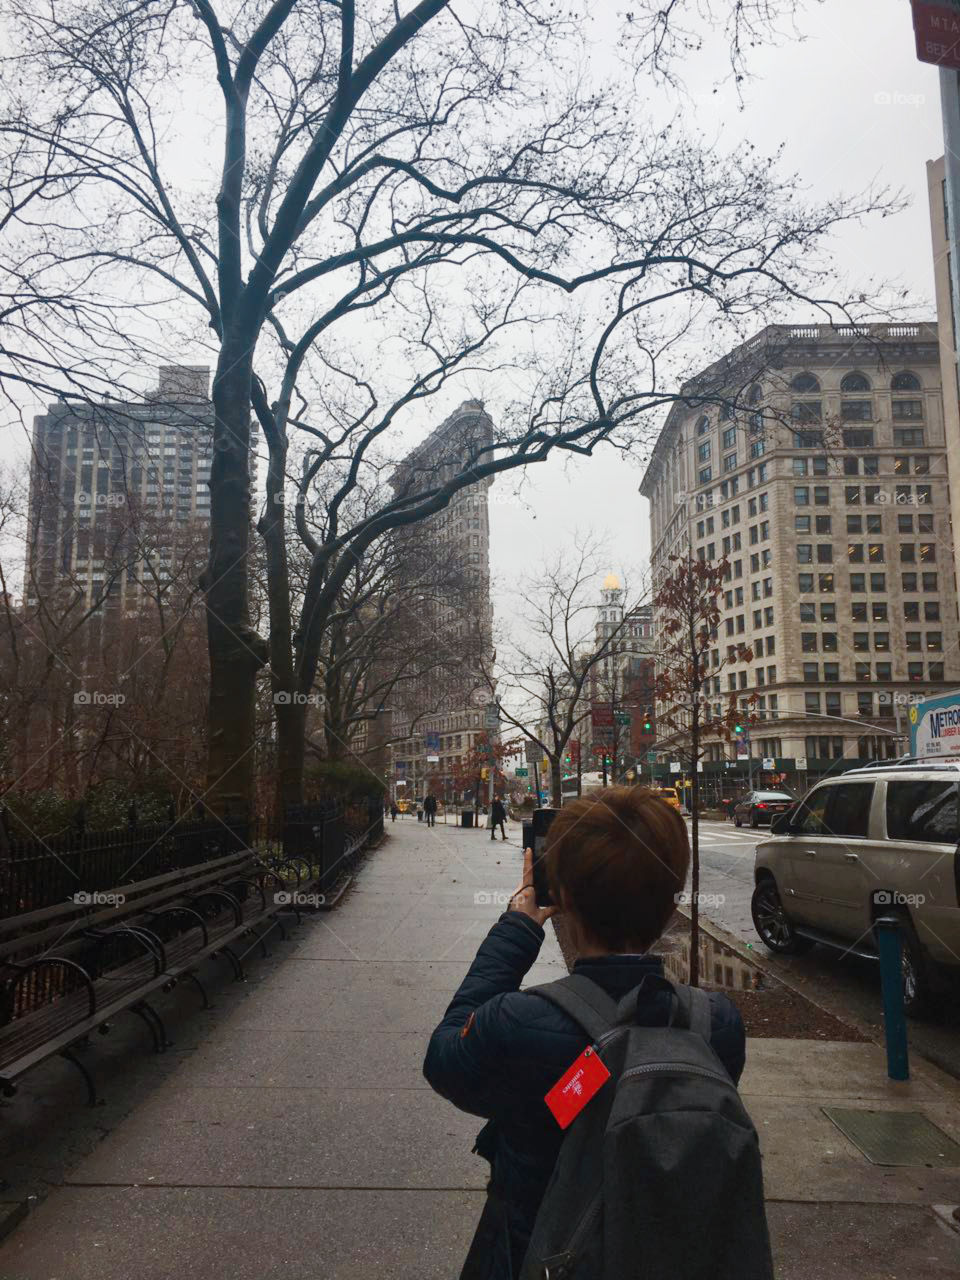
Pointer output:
543, 684
688, 605
439, 186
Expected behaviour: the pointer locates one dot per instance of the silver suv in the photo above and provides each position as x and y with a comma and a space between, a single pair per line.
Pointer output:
875, 840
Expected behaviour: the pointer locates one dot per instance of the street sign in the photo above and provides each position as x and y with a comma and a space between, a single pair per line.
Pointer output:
674, 766
522, 772
936, 25
431, 741
699, 766
769, 762
801, 764
433, 759
533, 752
622, 717
491, 716
651, 757
743, 749
401, 766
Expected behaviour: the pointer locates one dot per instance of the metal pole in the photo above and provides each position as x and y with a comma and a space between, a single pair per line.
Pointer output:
891, 981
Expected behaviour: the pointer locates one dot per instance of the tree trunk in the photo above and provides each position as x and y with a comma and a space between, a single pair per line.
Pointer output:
695, 845
236, 652
556, 782
289, 716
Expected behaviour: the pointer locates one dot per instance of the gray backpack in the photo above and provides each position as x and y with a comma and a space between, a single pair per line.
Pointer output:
659, 1176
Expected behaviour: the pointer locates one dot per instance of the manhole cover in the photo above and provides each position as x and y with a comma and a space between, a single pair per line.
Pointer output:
896, 1137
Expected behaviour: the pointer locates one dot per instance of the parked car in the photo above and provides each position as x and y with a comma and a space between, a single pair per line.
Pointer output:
872, 841
759, 808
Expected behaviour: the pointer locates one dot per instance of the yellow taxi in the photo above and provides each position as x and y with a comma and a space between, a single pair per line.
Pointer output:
669, 794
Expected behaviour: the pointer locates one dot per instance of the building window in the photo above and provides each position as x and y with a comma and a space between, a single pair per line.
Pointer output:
805, 383
801, 496
705, 475
908, 435
857, 439
905, 381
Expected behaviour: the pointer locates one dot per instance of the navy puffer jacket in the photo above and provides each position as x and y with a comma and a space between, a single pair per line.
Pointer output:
499, 1050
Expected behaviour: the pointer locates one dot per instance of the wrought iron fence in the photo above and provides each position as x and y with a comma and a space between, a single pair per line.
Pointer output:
42, 872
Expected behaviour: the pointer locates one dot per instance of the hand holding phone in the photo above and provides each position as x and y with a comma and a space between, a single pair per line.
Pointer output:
524, 899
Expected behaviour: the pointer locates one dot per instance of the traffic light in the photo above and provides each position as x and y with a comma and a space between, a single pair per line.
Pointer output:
647, 727
738, 729
484, 775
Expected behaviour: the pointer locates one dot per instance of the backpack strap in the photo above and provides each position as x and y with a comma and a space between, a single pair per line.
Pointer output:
694, 1006
586, 1002
690, 1010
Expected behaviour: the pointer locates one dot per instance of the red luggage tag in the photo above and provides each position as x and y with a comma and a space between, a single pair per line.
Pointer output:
576, 1087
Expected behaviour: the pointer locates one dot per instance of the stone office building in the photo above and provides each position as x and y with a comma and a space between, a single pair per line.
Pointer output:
813, 457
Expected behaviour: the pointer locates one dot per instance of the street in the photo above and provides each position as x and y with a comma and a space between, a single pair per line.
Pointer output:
844, 984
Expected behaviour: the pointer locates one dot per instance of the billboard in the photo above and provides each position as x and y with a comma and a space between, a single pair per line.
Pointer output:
935, 726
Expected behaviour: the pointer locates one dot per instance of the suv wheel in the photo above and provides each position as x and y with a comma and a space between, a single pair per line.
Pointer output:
771, 921
914, 974
754, 821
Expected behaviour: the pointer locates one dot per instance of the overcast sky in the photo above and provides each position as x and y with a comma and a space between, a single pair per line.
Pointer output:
851, 104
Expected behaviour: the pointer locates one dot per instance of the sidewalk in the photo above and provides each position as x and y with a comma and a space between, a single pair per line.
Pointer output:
300, 1140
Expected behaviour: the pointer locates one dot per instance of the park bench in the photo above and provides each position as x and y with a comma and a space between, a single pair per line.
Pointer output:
67, 970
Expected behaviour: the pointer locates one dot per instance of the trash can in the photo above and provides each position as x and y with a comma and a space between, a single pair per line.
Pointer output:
466, 818
419, 815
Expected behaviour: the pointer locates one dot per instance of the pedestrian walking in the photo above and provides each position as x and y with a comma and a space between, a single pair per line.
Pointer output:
616, 863
430, 810
393, 813
498, 816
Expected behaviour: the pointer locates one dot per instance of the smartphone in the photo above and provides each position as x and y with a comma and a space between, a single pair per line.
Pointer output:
539, 826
